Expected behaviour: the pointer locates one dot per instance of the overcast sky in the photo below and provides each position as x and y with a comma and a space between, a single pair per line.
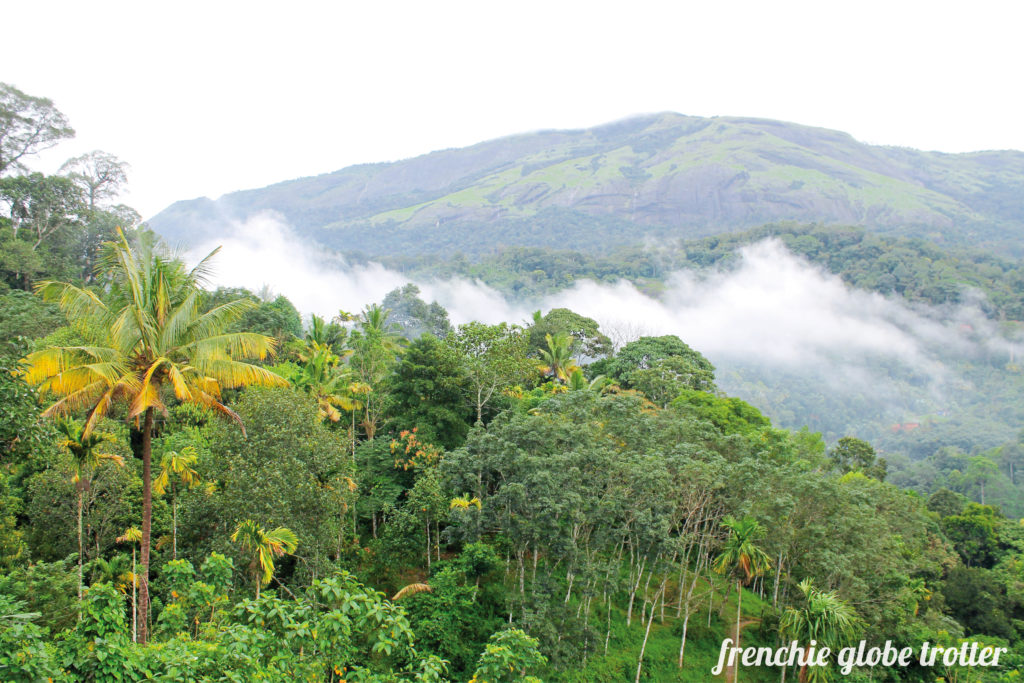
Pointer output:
203, 98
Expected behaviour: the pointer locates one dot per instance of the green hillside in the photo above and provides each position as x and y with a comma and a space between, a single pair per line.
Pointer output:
660, 175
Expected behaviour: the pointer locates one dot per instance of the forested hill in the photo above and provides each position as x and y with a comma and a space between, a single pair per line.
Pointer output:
655, 175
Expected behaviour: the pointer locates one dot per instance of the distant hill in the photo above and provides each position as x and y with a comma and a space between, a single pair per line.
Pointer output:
660, 176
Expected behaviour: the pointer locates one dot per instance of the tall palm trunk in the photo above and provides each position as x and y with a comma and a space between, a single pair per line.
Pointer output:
174, 523
80, 494
147, 520
135, 600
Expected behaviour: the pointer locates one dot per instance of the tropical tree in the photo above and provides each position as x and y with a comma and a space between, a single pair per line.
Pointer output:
84, 450
176, 467
323, 333
556, 359
579, 382
28, 125
322, 376
264, 547
742, 557
99, 174
492, 358
147, 335
584, 334
134, 536
825, 618
376, 344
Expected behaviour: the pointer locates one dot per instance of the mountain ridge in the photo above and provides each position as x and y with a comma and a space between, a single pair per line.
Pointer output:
659, 175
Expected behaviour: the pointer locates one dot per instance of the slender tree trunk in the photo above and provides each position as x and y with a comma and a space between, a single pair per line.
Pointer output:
79, 485
632, 593
778, 574
647, 633
608, 630
147, 521
682, 641
355, 496
135, 600
739, 603
174, 524
428, 546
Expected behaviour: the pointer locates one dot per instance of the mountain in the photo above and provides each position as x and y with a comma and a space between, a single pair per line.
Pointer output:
663, 175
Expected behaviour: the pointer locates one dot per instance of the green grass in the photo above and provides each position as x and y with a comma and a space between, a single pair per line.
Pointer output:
703, 644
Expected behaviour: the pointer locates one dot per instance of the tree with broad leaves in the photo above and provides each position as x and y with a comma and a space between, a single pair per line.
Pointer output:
492, 357
100, 175
28, 125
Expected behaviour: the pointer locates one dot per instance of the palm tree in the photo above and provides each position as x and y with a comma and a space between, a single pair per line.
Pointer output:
377, 344
330, 334
742, 558
578, 382
918, 591
134, 536
557, 359
149, 334
175, 467
264, 546
824, 618
83, 448
323, 377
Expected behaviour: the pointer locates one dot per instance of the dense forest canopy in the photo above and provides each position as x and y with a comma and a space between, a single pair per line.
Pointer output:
198, 484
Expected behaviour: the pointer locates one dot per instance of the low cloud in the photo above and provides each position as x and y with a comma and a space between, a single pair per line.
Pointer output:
771, 309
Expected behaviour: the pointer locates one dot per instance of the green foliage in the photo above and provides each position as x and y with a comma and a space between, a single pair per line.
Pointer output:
99, 647
450, 622
29, 124
576, 516
12, 546
22, 434
687, 368
729, 415
973, 533
276, 475
413, 315
741, 556
854, 455
46, 588
945, 503
427, 394
492, 358
588, 341
979, 601
275, 317
26, 655
823, 618
25, 315
510, 657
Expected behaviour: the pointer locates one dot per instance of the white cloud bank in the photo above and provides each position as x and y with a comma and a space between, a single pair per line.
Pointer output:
773, 309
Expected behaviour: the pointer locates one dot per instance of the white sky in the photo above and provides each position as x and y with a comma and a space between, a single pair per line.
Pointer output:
203, 98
